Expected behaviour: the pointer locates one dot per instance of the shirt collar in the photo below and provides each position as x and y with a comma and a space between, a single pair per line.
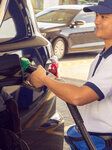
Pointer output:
107, 53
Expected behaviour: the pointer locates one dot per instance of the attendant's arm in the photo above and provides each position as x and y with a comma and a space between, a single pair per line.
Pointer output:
67, 92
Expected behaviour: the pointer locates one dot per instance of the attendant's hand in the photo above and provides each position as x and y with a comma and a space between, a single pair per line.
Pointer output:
37, 77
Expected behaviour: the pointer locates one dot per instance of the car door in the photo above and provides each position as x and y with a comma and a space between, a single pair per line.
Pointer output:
20, 36
82, 35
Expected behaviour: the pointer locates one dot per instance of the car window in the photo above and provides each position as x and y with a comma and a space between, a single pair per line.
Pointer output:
58, 16
87, 17
7, 30
14, 26
3, 6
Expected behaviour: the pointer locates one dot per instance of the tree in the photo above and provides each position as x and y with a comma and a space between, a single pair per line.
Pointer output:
88, 1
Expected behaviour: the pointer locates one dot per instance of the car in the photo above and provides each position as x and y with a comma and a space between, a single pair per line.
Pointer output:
69, 29
42, 125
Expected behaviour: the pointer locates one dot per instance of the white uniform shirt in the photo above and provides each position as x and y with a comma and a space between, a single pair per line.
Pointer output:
97, 115
3, 97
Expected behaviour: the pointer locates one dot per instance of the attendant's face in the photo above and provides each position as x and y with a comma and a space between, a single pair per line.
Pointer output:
103, 24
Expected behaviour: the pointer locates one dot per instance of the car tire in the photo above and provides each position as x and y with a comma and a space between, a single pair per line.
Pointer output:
59, 48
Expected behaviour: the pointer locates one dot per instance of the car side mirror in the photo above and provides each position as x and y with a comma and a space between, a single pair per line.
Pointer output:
78, 22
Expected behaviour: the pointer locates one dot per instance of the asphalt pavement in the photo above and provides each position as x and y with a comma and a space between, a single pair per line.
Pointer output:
75, 69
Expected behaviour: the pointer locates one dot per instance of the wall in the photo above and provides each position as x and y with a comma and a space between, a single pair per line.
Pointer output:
49, 3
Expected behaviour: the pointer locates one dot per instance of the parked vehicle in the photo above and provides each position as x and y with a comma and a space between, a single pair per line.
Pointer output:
69, 29
42, 125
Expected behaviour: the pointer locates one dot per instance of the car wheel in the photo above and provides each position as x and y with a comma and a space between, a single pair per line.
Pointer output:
59, 48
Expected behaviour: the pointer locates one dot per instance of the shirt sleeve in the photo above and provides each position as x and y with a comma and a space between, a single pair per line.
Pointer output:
101, 82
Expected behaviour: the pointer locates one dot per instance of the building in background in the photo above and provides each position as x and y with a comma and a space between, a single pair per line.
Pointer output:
49, 3
39, 5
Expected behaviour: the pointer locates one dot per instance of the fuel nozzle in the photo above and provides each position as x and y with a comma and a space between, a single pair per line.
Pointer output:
28, 68
26, 65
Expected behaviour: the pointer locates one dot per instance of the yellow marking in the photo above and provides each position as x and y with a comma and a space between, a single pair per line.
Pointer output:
67, 127
72, 63
79, 49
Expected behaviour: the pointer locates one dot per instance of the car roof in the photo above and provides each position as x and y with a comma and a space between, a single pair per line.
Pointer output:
62, 7
68, 7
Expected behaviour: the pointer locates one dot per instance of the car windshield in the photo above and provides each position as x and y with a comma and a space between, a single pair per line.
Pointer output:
88, 17
58, 16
